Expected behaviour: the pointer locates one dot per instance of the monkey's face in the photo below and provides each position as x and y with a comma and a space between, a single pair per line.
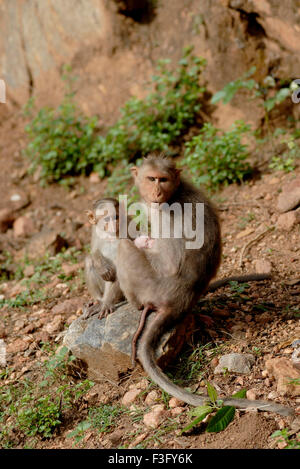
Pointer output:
108, 220
156, 186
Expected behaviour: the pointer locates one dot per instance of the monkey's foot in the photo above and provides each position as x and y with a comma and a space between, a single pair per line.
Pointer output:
105, 310
90, 309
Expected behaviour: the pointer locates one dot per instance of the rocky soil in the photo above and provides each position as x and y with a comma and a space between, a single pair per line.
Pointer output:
262, 319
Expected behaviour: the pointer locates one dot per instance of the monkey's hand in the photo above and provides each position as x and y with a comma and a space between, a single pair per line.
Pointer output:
105, 310
104, 268
108, 273
144, 242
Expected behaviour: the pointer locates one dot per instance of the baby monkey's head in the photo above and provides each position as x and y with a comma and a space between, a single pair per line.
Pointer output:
105, 215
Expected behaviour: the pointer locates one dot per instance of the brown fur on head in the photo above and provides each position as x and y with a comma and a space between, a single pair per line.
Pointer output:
95, 217
157, 178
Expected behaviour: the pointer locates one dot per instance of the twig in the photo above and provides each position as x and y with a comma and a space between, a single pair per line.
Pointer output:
252, 241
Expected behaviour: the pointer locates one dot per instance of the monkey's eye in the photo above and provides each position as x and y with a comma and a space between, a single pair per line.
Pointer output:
163, 179
151, 178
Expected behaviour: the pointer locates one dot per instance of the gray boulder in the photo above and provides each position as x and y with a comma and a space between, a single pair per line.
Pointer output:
105, 345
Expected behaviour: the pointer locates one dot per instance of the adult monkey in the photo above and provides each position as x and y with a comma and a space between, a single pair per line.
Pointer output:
168, 277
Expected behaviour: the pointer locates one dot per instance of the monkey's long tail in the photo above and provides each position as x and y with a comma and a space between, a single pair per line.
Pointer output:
146, 354
237, 278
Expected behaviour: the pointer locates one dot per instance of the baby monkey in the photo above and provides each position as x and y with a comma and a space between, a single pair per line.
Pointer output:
100, 270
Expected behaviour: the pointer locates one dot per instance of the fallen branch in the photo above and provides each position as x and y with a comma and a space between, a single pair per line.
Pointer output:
252, 241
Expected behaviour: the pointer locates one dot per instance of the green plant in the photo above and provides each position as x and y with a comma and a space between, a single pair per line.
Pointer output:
285, 436
64, 142
230, 89
223, 416
214, 158
158, 120
287, 161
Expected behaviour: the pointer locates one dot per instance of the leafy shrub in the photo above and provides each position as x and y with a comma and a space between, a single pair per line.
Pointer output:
214, 159
65, 142
161, 118
62, 141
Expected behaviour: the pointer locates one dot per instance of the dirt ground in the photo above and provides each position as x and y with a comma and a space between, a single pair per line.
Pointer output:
263, 319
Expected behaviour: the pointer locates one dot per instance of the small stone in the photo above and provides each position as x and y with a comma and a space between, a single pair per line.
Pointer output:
262, 266
251, 394
94, 178
55, 325
177, 411
235, 362
290, 196
23, 227
130, 396
284, 372
264, 373
67, 306
282, 444
174, 402
17, 346
70, 269
288, 220
138, 440
153, 418
151, 398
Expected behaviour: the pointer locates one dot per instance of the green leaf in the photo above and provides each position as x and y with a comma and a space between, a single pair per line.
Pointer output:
221, 419
213, 395
240, 394
200, 410
198, 419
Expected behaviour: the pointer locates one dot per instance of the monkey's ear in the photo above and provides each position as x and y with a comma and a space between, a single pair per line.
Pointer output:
134, 171
91, 217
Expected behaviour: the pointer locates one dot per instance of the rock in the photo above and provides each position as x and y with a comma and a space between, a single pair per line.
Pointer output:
152, 397
94, 178
18, 199
2, 353
177, 411
105, 345
47, 241
23, 227
70, 269
174, 402
68, 306
17, 346
288, 220
55, 325
290, 196
138, 440
153, 418
251, 394
130, 396
236, 363
7, 217
284, 372
295, 355
263, 267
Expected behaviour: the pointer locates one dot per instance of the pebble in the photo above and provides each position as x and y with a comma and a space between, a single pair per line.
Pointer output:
151, 398
130, 396
153, 418
251, 394
174, 402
